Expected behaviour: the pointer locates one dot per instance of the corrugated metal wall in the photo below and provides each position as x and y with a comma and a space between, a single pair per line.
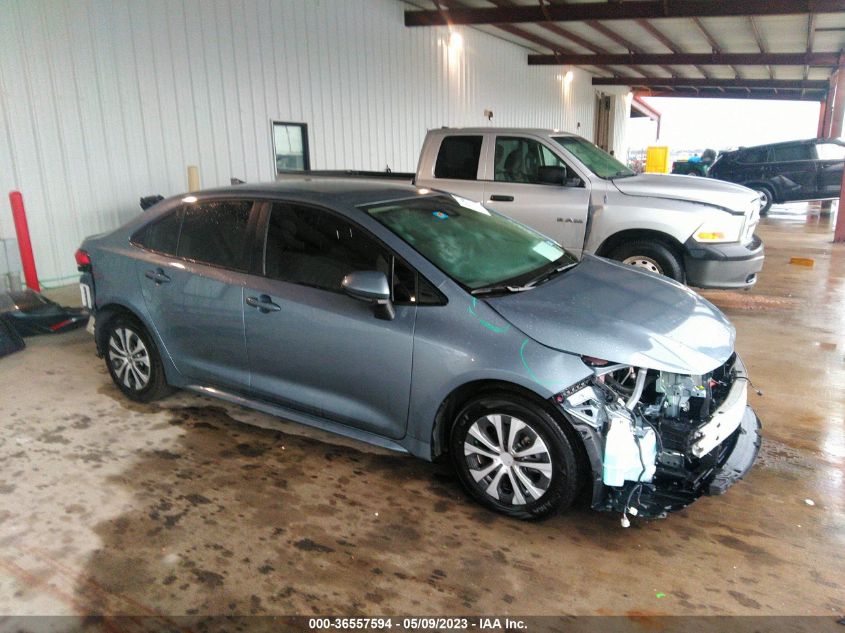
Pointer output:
103, 101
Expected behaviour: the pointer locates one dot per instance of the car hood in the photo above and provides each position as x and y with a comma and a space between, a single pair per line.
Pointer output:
726, 195
619, 313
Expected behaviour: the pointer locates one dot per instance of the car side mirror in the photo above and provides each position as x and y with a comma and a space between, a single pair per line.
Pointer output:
552, 175
371, 286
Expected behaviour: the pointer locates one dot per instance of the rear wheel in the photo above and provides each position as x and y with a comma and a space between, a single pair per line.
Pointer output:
133, 361
655, 257
513, 457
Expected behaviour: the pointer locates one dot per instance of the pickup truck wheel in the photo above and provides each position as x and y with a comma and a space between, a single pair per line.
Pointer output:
133, 361
513, 457
653, 256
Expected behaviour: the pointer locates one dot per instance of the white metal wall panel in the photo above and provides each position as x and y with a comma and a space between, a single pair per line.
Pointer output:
103, 101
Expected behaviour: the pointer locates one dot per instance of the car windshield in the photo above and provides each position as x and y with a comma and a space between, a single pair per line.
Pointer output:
473, 245
596, 160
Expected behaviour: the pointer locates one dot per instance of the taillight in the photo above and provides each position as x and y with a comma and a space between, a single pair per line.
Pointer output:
83, 261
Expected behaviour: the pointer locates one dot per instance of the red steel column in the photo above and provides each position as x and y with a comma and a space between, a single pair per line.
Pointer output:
24, 243
836, 132
820, 133
838, 105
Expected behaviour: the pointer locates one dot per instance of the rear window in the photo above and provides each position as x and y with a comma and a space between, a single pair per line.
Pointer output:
216, 233
162, 235
458, 158
793, 152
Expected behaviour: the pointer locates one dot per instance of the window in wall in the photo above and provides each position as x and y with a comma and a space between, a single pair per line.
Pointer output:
216, 233
458, 158
290, 146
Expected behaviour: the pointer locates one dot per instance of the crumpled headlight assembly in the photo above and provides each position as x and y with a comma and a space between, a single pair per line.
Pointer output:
721, 229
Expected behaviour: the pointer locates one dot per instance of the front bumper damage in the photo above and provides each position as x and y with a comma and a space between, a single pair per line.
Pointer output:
692, 459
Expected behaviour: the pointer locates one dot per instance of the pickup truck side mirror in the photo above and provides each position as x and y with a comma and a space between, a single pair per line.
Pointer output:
372, 286
551, 175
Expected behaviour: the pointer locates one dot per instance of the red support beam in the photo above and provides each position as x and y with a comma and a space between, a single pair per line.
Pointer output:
715, 93
628, 10
820, 133
838, 104
692, 59
24, 243
675, 82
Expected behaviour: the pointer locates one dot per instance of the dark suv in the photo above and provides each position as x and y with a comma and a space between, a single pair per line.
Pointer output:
785, 172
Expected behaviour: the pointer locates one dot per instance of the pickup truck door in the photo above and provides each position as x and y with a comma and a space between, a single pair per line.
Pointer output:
512, 186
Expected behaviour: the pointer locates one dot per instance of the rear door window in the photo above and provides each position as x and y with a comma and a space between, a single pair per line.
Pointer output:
216, 233
788, 153
754, 156
458, 158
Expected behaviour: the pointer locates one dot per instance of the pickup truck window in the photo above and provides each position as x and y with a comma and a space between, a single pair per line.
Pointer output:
519, 159
831, 151
458, 158
473, 245
596, 160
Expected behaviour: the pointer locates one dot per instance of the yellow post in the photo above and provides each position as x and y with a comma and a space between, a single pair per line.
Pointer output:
193, 178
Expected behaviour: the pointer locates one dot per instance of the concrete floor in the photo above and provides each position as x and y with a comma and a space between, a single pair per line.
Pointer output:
185, 507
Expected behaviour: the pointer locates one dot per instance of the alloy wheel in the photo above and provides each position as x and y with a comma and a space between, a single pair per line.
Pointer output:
129, 358
507, 459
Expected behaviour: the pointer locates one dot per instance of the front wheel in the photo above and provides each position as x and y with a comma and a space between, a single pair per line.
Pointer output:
133, 361
653, 256
766, 199
513, 457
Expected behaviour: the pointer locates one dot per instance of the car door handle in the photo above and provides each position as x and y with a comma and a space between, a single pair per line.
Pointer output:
498, 198
157, 276
263, 303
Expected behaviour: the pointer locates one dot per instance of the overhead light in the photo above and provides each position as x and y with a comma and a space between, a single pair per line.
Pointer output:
456, 40
567, 78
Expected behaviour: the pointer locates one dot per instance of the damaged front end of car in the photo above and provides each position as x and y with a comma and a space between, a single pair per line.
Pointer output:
658, 440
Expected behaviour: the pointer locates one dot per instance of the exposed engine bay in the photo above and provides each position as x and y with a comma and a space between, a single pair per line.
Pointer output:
663, 439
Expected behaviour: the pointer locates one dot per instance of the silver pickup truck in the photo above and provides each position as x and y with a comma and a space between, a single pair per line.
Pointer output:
695, 230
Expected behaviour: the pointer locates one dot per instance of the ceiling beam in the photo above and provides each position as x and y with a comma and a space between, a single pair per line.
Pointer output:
657, 34
811, 34
692, 59
615, 37
561, 32
767, 95
761, 45
714, 45
675, 82
629, 10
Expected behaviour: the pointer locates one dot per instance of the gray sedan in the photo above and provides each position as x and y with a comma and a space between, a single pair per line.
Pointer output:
426, 323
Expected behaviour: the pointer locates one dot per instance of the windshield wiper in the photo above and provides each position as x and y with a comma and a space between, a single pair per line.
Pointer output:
486, 290
530, 285
622, 174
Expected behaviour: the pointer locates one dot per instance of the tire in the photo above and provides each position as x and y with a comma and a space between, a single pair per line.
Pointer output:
142, 377
766, 197
653, 256
532, 487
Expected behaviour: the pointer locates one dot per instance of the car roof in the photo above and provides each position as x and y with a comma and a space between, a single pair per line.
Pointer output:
805, 141
330, 190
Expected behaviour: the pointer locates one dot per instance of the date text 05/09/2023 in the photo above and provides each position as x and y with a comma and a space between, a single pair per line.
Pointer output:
416, 624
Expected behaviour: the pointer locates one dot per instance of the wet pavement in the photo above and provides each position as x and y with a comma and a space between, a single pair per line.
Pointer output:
188, 507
